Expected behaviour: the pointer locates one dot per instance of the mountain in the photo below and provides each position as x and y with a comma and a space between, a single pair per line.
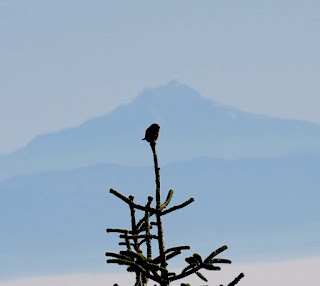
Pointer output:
55, 222
191, 126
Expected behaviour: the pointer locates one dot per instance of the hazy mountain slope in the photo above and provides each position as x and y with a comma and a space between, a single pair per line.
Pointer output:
191, 126
55, 222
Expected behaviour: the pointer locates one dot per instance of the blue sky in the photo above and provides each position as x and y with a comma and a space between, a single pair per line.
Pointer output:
63, 62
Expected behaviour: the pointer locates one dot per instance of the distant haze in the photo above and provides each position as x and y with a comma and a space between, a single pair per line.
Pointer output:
254, 179
191, 126
67, 61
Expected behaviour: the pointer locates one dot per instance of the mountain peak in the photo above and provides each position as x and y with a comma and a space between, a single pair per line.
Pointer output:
172, 92
191, 126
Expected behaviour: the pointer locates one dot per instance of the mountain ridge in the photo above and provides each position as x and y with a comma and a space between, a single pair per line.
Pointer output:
191, 126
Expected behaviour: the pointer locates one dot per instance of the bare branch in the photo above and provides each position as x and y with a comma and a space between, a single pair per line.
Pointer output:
128, 201
215, 253
173, 254
134, 236
168, 199
178, 206
178, 248
236, 280
148, 227
172, 249
120, 230
220, 260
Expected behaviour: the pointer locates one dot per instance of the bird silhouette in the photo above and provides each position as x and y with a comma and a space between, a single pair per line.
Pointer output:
152, 133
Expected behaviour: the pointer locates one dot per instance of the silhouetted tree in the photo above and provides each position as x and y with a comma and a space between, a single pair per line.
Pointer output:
145, 265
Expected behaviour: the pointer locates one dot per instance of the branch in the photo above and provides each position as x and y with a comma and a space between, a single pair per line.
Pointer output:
196, 264
125, 243
172, 249
127, 262
134, 236
173, 254
141, 224
236, 280
220, 260
121, 230
168, 199
148, 227
178, 206
136, 266
142, 220
142, 264
142, 260
215, 253
178, 248
185, 273
128, 201
116, 255
162, 248
201, 276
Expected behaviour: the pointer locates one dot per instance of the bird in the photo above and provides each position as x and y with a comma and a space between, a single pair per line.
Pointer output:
152, 133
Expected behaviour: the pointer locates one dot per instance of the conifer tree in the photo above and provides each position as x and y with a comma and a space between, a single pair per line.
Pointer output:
145, 264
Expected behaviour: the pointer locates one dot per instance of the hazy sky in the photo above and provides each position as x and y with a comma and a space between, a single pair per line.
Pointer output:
62, 62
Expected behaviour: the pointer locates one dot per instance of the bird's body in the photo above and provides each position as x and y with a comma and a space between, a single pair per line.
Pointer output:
152, 133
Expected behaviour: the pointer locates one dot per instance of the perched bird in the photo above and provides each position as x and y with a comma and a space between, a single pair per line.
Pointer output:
152, 133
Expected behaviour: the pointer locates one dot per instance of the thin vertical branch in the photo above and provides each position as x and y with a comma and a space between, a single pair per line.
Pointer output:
140, 277
134, 225
147, 217
164, 274
127, 240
